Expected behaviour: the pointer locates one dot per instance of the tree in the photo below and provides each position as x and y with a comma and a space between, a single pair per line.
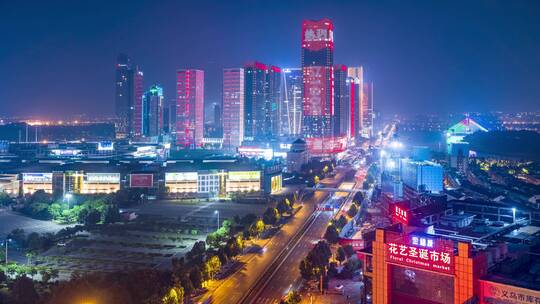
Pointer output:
92, 217
175, 295
248, 219
256, 228
331, 234
270, 216
349, 250
353, 210
40, 196
33, 242
111, 214
55, 210
341, 256
23, 291
358, 198
195, 275
211, 267
18, 236
306, 269
341, 222
5, 199
3, 277
282, 206
293, 297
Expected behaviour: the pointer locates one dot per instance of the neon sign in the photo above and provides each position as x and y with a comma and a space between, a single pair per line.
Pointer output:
424, 253
401, 214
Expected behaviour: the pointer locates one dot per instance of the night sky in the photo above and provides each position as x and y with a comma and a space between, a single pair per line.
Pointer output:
57, 57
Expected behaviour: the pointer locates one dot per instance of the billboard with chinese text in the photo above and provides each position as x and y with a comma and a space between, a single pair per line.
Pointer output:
422, 252
145, 180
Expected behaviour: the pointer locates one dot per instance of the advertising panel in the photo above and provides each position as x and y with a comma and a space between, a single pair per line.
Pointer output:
145, 180
497, 293
317, 34
314, 90
244, 176
99, 178
422, 252
37, 178
326, 145
181, 176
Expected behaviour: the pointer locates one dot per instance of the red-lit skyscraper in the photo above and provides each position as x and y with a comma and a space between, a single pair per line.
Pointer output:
318, 83
189, 108
233, 108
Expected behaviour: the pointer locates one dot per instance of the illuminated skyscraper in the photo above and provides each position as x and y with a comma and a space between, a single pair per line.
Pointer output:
233, 108
367, 109
152, 112
317, 70
356, 85
189, 108
262, 101
341, 101
128, 94
291, 101
138, 89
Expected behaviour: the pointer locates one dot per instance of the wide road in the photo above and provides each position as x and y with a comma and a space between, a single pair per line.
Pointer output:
277, 282
286, 276
232, 289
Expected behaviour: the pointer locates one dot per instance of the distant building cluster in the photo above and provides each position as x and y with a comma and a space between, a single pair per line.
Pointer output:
328, 105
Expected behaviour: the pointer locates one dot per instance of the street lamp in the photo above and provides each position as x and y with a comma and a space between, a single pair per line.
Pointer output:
217, 213
6, 256
513, 215
68, 197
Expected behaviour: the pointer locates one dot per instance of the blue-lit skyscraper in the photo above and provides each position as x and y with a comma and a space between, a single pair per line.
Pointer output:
152, 112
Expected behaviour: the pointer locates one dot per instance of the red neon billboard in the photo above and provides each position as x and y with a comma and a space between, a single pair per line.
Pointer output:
422, 252
317, 34
401, 214
326, 145
145, 180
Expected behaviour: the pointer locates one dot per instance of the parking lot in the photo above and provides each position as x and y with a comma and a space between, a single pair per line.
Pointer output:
163, 230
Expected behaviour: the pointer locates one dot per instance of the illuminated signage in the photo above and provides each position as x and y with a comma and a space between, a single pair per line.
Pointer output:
492, 292
65, 152
102, 177
267, 153
181, 176
141, 180
326, 145
244, 176
105, 146
319, 34
422, 252
401, 214
37, 177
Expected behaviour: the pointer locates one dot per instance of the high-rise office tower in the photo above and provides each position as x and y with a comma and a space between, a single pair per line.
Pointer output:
356, 85
367, 110
272, 103
217, 115
341, 101
291, 101
128, 94
262, 86
166, 117
152, 112
189, 108
233, 108
138, 88
317, 70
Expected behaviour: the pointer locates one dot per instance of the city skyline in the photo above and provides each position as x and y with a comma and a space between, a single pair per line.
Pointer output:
456, 77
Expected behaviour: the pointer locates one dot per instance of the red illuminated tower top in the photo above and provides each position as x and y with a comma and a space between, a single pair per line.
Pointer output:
317, 34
